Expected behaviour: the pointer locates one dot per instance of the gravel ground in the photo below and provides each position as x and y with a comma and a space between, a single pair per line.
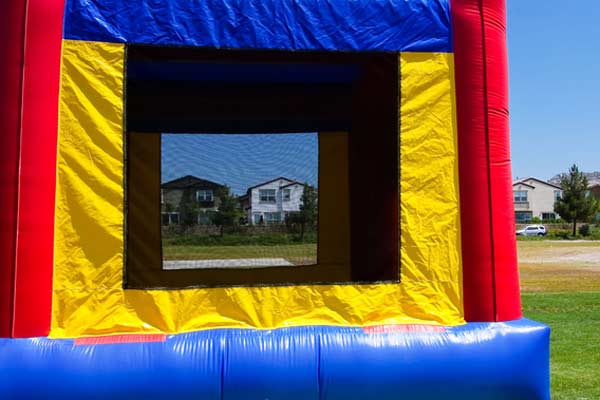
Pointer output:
557, 252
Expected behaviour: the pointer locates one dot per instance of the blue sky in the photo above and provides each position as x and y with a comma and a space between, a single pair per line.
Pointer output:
241, 161
554, 61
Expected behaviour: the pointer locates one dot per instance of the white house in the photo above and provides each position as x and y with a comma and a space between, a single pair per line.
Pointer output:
270, 202
535, 198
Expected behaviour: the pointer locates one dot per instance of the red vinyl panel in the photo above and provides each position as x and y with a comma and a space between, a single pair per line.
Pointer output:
12, 25
490, 275
37, 179
508, 297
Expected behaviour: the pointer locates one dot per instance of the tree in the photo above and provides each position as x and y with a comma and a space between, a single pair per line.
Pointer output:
229, 211
188, 208
169, 207
308, 209
576, 203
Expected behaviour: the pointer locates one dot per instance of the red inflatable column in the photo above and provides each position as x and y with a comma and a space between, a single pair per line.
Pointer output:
491, 283
37, 168
12, 31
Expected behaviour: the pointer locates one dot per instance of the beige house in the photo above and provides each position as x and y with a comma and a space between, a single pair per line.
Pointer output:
595, 190
535, 198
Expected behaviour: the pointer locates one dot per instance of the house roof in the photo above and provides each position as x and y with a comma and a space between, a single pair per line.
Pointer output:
523, 183
523, 180
273, 180
292, 184
190, 181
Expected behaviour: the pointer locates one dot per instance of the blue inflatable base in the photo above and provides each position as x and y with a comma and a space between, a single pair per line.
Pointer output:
507, 360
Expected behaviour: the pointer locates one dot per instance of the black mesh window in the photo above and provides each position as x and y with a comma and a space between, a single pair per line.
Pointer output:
260, 168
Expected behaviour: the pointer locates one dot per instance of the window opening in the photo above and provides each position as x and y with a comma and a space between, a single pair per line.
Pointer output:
523, 216
204, 195
520, 196
557, 195
237, 218
267, 195
287, 194
284, 227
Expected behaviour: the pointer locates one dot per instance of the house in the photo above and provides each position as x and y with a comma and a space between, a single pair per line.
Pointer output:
595, 190
272, 201
535, 198
189, 195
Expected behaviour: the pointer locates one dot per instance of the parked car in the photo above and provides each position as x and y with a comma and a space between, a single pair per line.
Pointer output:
533, 230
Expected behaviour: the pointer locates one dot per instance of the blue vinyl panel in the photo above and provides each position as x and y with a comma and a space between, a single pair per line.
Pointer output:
358, 25
508, 360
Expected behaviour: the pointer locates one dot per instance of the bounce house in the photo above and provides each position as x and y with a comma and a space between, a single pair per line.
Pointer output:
413, 291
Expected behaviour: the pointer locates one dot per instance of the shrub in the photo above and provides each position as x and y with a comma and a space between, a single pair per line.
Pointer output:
584, 230
559, 234
594, 233
239, 240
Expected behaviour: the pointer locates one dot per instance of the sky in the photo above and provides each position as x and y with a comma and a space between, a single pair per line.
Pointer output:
554, 75
240, 160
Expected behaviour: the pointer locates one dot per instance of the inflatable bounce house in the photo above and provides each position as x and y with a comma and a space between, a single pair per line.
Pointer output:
414, 290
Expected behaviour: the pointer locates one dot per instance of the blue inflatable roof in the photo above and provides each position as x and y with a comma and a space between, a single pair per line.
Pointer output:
359, 25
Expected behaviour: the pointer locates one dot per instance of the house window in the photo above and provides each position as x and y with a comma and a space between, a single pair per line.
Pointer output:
520, 196
548, 216
266, 195
205, 218
232, 139
557, 195
523, 216
272, 217
204, 195
287, 194
169, 218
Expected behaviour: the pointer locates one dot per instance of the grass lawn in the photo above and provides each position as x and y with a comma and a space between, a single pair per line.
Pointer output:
561, 287
297, 254
575, 340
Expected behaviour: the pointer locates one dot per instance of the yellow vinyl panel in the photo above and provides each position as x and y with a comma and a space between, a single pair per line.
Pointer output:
88, 294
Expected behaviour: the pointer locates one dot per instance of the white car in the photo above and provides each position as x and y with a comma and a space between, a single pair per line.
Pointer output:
533, 230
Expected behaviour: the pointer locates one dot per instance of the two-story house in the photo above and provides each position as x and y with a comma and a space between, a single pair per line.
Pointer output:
594, 188
535, 198
199, 195
270, 202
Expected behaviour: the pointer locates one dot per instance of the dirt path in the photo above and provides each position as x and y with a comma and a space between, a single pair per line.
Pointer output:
559, 266
554, 252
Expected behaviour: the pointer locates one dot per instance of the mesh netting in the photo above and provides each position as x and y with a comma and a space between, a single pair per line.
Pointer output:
239, 200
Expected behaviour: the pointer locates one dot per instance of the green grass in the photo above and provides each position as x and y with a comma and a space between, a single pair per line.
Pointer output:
562, 233
575, 341
560, 281
272, 239
299, 253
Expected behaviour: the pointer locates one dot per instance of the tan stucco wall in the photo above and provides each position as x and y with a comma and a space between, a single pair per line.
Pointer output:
540, 197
